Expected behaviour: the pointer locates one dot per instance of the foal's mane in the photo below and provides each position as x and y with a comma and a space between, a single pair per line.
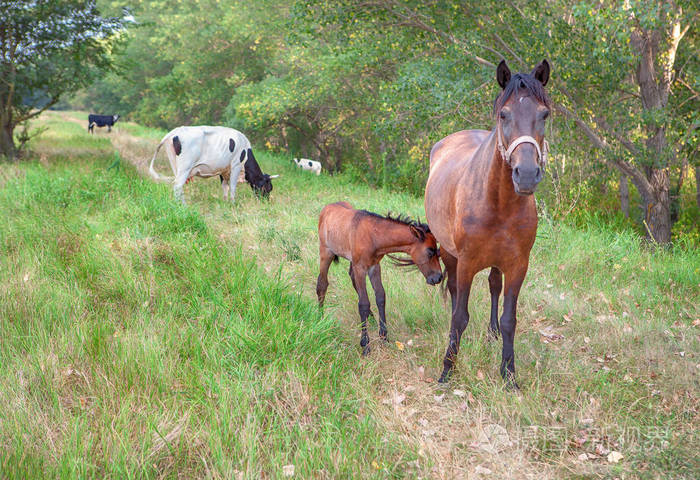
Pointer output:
402, 219
521, 80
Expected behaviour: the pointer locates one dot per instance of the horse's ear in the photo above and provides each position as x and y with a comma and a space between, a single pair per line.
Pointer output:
503, 74
541, 72
417, 232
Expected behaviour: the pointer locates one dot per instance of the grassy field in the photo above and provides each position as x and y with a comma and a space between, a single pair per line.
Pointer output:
140, 338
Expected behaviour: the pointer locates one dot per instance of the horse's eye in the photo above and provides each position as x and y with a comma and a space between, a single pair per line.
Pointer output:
545, 115
503, 115
431, 252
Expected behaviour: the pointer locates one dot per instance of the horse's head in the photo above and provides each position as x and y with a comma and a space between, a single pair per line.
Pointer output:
521, 111
425, 254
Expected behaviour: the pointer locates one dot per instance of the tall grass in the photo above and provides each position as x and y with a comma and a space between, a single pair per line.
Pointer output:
137, 344
142, 338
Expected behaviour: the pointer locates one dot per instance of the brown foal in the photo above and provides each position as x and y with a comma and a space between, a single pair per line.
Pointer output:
364, 238
479, 205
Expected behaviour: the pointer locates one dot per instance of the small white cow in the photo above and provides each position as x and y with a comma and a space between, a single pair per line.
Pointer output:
206, 151
311, 165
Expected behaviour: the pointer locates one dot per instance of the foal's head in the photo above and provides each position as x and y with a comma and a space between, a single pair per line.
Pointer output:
521, 110
424, 253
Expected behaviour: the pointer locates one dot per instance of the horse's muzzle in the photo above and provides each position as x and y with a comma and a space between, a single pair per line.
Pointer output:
434, 278
525, 180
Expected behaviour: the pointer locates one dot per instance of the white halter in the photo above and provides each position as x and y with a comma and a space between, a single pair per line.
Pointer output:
506, 153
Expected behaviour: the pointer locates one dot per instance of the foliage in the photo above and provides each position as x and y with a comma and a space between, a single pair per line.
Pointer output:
369, 87
48, 49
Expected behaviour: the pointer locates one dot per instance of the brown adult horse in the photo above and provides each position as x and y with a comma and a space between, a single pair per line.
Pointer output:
364, 238
479, 204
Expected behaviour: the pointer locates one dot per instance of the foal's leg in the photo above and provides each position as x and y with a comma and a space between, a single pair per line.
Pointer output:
375, 277
514, 281
360, 284
460, 317
322, 282
495, 286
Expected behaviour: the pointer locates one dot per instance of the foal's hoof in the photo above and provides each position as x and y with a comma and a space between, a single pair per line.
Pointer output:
445, 377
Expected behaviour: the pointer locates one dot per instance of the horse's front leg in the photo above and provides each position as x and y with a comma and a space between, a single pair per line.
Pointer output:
514, 281
360, 284
495, 287
460, 318
375, 277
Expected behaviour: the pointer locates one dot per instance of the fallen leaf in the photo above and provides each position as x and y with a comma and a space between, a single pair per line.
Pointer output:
26, 277
375, 464
409, 343
438, 398
583, 457
601, 450
479, 470
288, 470
460, 393
479, 375
586, 340
399, 345
614, 457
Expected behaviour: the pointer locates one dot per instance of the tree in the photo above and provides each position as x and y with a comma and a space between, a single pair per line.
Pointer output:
48, 48
625, 73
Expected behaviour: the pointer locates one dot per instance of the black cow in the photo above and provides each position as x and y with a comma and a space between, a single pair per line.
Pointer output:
101, 121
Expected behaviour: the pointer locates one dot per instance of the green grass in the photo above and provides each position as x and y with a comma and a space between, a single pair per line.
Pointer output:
135, 343
127, 319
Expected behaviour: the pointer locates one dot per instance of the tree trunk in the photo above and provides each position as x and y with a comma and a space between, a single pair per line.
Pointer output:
624, 196
7, 144
658, 217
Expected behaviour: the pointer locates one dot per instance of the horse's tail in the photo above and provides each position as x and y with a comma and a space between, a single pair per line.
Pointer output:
156, 176
443, 284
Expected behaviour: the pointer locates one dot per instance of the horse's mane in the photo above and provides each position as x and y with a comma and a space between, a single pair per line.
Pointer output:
518, 81
402, 219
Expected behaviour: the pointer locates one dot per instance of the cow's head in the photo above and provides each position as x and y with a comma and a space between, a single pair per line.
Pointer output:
260, 182
115, 117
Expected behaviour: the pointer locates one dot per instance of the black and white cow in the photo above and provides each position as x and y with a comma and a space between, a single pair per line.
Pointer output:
205, 151
311, 165
101, 121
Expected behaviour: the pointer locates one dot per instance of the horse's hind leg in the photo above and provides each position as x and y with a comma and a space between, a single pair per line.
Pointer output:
322, 282
495, 286
375, 277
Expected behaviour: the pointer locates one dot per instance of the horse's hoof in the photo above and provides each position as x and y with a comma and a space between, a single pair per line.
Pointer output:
365, 350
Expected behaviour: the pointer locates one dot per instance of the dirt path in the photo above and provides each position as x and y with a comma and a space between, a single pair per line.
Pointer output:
455, 434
